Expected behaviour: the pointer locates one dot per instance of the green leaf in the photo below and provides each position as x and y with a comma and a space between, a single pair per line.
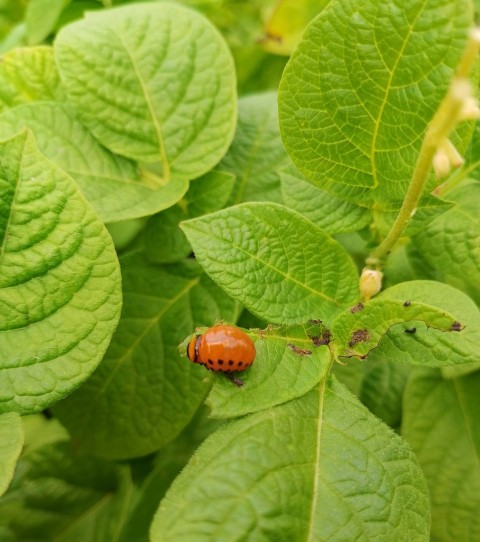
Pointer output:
326, 211
441, 424
378, 383
352, 101
163, 240
287, 365
114, 186
450, 244
357, 331
287, 22
11, 442
29, 74
58, 494
431, 347
143, 393
278, 264
60, 289
320, 467
257, 152
163, 87
41, 17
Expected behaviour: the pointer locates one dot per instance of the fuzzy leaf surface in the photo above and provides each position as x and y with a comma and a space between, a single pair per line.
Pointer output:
163, 87
352, 98
60, 287
279, 265
115, 186
320, 467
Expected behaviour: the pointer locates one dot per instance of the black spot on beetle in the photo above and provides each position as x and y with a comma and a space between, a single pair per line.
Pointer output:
231, 362
210, 361
411, 330
220, 361
240, 363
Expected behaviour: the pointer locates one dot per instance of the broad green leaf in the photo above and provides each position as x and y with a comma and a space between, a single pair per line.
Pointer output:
167, 464
441, 424
163, 240
58, 494
29, 74
289, 362
353, 98
113, 185
60, 289
17, 37
11, 442
357, 331
326, 211
320, 467
278, 264
378, 383
163, 87
285, 26
143, 393
431, 347
41, 17
257, 152
450, 245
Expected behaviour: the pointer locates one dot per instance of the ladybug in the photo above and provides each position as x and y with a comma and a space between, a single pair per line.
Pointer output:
222, 348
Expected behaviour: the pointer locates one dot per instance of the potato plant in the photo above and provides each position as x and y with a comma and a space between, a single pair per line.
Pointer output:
306, 171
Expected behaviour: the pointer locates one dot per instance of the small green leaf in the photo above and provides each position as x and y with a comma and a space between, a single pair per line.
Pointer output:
114, 186
356, 333
320, 467
378, 383
58, 494
431, 347
41, 17
11, 442
287, 365
450, 244
29, 74
163, 239
326, 211
278, 264
257, 152
441, 424
60, 289
143, 393
352, 101
162, 88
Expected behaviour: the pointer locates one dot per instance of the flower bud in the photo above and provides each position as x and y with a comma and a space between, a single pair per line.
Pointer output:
370, 283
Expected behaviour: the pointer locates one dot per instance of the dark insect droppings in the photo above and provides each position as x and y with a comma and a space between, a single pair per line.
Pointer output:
407, 303
411, 330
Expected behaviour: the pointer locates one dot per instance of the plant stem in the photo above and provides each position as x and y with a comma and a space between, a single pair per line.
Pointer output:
444, 121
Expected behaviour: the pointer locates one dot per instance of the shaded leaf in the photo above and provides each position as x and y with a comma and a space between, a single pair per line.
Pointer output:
11, 442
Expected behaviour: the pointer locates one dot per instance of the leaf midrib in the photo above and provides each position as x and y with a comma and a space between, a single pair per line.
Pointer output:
316, 473
151, 109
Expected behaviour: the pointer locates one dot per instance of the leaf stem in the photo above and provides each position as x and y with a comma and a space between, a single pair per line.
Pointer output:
444, 121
